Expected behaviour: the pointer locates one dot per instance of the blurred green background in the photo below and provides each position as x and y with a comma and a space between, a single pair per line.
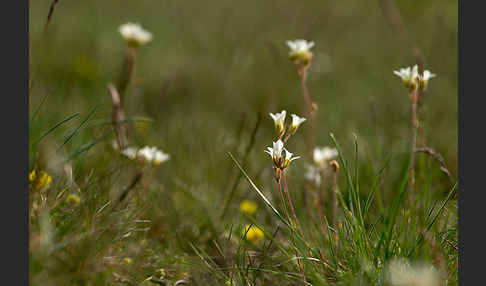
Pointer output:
212, 68
214, 65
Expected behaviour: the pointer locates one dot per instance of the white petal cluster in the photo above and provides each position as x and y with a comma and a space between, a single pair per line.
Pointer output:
130, 152
134, 34
313, 174
401, 273
322, 155
153, 155
279, 161
279, 121
146, 154
412, 79
300, 51
299, 46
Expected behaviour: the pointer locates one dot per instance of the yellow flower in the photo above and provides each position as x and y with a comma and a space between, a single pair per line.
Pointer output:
40, 181
127, 260
253, 233
248, 207
73, 199
32, 176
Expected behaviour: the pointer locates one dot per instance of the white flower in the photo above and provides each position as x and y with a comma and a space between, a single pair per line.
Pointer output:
279, 120
424, 79
313, 174
401, 273
152, 155
160, 157
276, 153
299, 46
134, 34
322, 155
288, 158
409, 76
296, 121
130, 152
300, 50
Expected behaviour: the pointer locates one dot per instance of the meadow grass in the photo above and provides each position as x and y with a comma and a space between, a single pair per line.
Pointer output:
201, 91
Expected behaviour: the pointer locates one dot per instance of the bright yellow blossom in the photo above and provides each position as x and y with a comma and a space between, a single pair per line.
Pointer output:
253, 233
248, 207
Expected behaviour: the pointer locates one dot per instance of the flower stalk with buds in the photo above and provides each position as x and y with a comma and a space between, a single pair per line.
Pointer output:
416, 83
134, 36
301, 56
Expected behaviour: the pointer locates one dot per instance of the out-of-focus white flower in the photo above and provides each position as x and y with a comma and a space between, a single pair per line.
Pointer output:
130, 152
409, 76
279, 120
134, 34
322, 155
313, 174
276, 153
296, 121
300, 51
401, 273
160, 157
424, 79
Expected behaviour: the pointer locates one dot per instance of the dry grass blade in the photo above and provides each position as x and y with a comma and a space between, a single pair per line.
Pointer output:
49, 16
118, 118
434, 154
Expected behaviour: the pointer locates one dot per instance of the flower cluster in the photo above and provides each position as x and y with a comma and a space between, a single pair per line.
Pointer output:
413, 80
150, 155
134, 34
322, 157
39, 181
281, 161
300, 52
279, 120
253, 233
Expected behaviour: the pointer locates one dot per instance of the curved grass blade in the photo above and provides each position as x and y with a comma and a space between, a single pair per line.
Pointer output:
55, 127
258, 191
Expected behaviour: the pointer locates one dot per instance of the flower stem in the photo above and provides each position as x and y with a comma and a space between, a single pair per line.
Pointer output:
291, 205
413, 143
334, 196
283, 200
128, 70
308, 101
